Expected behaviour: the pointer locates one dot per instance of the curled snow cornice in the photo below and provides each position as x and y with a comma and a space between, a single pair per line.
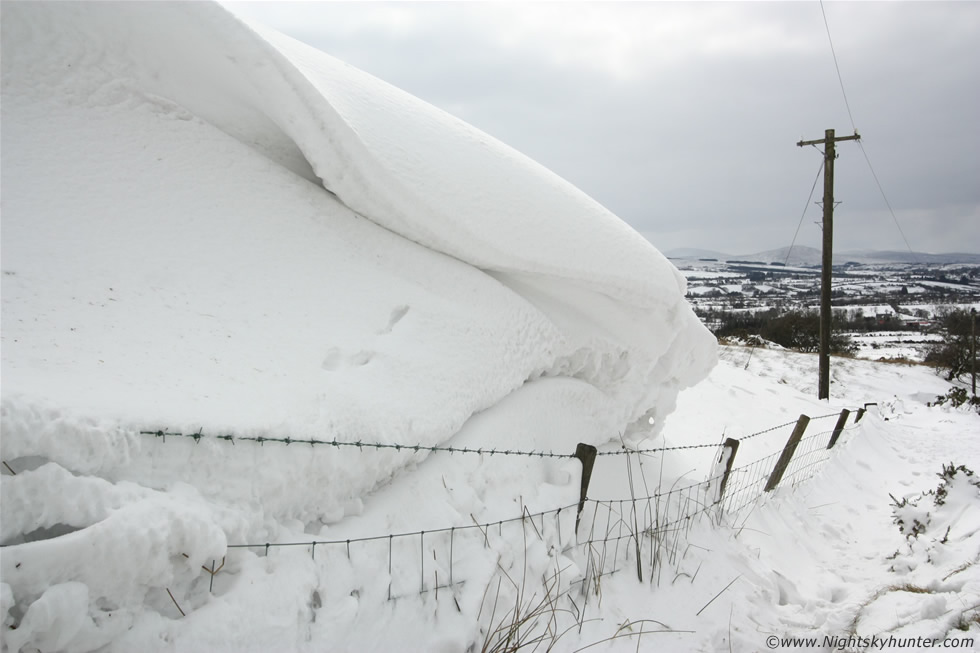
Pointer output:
392, 158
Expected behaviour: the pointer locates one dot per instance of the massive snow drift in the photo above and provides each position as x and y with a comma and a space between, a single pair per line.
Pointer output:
209, 226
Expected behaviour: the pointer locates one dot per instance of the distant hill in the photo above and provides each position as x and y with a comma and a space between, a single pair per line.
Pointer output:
802, 255
873, 256
692, 253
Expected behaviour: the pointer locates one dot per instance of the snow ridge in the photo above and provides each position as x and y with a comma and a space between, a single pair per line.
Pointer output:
398, 162
207, 225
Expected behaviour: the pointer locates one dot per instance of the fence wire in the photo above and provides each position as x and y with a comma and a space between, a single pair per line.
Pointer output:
286, 440
419, 562
639, 534
811, 454
746, 484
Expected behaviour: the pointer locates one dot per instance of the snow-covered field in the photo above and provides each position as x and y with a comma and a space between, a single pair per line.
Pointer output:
273, 331
889, 345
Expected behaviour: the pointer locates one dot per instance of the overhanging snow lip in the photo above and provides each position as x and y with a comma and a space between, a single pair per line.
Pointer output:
348, 165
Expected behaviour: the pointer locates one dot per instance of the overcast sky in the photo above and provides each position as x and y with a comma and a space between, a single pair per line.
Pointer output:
683, 118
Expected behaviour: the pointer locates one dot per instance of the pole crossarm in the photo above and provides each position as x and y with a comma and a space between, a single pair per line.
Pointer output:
823, 141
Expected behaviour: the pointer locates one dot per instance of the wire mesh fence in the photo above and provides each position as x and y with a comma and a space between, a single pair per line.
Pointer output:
639, 534
747, 483
421, 562
642, 533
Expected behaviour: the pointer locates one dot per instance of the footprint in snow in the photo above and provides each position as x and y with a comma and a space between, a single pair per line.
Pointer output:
361, 358
332, 360
335, 359
396, 316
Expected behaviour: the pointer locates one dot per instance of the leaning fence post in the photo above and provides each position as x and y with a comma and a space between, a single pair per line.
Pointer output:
839, 428
585, 453
862, 411
731, 444
787, 455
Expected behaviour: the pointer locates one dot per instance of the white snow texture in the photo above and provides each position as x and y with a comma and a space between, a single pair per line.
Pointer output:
210, 226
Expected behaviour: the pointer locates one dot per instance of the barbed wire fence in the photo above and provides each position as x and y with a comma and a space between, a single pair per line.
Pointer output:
200, 436
642, 533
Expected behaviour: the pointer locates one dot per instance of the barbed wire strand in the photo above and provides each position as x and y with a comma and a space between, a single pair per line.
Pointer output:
199, 435
682, 498
735, 488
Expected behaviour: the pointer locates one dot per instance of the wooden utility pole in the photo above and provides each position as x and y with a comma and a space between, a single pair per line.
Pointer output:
973, 349
828, 141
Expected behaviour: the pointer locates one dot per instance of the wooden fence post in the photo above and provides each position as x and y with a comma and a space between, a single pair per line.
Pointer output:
862, 411
839, 428
731, 445
585, 453
787, 455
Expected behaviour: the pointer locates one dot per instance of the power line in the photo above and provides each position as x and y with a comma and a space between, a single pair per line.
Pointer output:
805, 206
837, 66
847, 105
884, 197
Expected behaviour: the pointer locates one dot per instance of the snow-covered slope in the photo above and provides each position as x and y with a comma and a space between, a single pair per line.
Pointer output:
823, 566
171, 255
208, 226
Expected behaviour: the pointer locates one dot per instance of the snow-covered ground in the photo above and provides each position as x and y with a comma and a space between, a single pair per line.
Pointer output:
889, 345
242, 235
254, 299
822, 559
826, 560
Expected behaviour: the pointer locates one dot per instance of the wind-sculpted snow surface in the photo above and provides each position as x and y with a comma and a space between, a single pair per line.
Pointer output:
208, 226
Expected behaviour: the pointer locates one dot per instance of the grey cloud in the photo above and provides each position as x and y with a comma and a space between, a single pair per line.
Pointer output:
704, 148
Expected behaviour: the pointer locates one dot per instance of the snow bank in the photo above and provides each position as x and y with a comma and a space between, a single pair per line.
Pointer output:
209, 226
